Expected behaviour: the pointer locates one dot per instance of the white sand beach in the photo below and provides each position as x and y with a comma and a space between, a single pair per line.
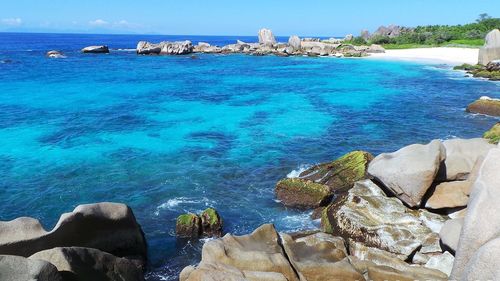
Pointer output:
454, 56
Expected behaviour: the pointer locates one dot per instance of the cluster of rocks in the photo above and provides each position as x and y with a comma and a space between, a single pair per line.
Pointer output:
208, 224
490, 71
94, 242
424, 212
102, 49
390, 31
267, 45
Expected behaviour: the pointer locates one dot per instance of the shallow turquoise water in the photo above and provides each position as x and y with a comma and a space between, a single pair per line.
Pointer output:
168, 135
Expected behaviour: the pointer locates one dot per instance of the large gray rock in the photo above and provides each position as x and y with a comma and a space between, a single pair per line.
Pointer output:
241, 257
484, 264
294, 42
164, 48
81, 264
15, 268
462, 155
110, 227
266, 37
491, 49
481, 224
96, 49
367, 215
410, 171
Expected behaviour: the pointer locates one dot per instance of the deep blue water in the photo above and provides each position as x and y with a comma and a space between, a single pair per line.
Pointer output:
167, 135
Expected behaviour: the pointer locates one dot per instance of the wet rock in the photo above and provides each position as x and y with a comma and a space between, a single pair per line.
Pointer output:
315, 187
16, 268
491, 49
82, 264
96, 49
243, 258
109, 227
462, 155
442, 262
211, 223
485, 105
482, 222
450, 195
340, 174
410, 171
302, 194
266, 37
367, 215
493, 134
188, 226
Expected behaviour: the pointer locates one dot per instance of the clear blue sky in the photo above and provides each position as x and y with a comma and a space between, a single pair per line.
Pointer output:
233, 17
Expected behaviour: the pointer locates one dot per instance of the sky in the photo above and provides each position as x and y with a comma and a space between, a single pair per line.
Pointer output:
232, 17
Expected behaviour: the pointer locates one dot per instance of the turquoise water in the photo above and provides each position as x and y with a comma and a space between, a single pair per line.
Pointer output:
168, 135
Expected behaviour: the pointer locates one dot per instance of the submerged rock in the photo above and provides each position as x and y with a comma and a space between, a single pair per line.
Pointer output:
109, 227
55, 54
410, 171
96, 49
485, 105
367, 215
491, 49
266, 37
82, 264
16, 268
316, 186
493, 134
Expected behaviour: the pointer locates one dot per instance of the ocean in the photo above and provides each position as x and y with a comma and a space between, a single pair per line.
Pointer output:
174, 134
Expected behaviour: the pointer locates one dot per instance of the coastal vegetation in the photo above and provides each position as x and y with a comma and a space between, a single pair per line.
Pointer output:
467, 35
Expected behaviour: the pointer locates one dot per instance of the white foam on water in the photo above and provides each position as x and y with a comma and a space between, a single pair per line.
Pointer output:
296, 173
178, 202
298, 222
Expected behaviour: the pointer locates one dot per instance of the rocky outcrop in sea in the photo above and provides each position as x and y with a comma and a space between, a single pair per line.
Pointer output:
96, 49
267, 46
424, 212
485, 105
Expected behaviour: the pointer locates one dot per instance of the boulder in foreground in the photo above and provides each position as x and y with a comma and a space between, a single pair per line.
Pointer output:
96, 49
410, 171
15, 268
109, 227
477, 255
486, 106
82, 264
491, 49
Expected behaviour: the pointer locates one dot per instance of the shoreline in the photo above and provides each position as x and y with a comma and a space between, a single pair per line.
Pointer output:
447, 55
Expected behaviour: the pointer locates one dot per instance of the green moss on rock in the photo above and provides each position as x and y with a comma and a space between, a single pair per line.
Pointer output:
303, 194
211, 223
188, 225
485, 106
341, 174
493, 134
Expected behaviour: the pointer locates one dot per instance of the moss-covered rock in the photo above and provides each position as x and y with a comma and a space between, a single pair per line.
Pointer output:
485, 105
341, 174
302, 194
493, 134
211, 223
188, 225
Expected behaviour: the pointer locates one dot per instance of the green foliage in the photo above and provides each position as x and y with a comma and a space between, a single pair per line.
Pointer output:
357, 41
471, 34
